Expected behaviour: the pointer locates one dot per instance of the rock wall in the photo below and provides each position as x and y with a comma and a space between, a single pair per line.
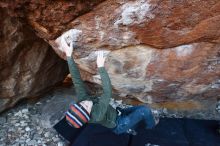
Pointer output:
48, 18
166, 53
28, 65
163, 52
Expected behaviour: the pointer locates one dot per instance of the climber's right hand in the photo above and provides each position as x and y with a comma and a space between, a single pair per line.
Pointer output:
67, 48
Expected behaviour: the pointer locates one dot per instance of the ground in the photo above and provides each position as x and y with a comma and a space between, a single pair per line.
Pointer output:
30, 123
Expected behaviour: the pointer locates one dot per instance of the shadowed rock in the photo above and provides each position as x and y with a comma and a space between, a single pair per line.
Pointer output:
28, 65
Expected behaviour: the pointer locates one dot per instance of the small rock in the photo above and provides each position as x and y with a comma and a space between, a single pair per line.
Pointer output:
19, 114
36, 136
2, 133
38, 103
32, 142
47, 134
21, 141
23, 124
38, 128
55, 139
27, 140
19, 128
60, 144
13, 121
39, 141
40, 131
2, 120
11, 129
24, 111
27, 129
26, 117
17, 124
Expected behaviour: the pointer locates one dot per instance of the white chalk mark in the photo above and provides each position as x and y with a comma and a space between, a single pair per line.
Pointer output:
184, 50
135, 13
71, 35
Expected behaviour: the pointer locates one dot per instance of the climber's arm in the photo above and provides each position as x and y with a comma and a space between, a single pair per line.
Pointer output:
77, 81
106, 83
107, 88
75, 74
106, 96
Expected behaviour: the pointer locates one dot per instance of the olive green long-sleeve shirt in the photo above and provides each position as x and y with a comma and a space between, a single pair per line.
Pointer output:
102, 112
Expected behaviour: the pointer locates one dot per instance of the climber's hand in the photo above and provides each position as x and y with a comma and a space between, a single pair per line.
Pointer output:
67, 48
100, 59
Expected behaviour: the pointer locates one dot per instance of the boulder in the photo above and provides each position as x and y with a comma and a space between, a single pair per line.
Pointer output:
163, 53
28, 65
166, 53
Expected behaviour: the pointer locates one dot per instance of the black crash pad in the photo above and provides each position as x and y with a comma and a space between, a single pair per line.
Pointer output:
169, 132
90, 135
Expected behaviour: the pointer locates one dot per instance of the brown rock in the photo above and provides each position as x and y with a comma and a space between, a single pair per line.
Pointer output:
170, 78
28, 65
48, 18
115, 23
187, 70
160, 24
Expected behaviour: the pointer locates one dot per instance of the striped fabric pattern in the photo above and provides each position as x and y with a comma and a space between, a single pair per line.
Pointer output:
77, 115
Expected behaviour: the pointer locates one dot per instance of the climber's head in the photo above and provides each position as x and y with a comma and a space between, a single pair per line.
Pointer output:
87, 104
79, 113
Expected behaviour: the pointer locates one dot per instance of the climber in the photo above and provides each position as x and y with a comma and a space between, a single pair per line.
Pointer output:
88, 109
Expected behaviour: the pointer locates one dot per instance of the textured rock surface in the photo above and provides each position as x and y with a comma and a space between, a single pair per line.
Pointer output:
163, 52
184, 78
28, 65
160, 51
48, 18
116, 23
30, 124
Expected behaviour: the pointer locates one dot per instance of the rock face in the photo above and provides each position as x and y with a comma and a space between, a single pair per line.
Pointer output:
28, 65
48, 18
162, 52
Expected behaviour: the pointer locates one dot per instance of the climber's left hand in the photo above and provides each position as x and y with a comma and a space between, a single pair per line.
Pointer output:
100, 59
